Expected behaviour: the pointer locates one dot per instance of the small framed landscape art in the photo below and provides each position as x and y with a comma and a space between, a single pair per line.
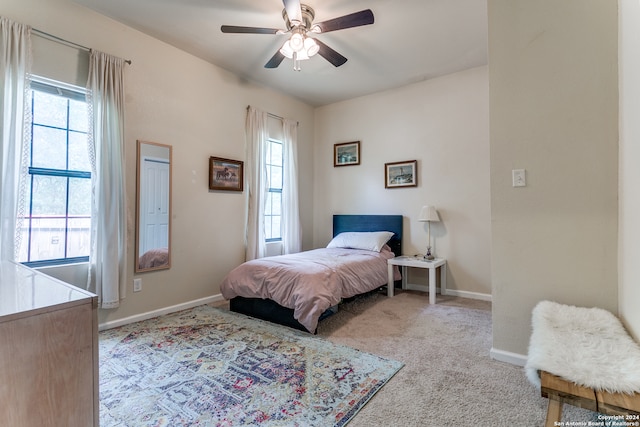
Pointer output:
346, 154
401, 174
225, 174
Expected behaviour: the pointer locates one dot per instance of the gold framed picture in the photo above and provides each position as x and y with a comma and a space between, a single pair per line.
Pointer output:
226, 174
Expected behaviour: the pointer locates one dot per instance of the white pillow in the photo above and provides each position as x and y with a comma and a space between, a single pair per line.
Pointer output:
370, 241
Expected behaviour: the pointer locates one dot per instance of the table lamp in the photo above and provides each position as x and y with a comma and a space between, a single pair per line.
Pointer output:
428, 214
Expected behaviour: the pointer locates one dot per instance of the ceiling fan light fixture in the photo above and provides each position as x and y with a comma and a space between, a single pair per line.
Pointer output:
302, 55
299, 24
309, 49
297, 41
310, 46
286, 50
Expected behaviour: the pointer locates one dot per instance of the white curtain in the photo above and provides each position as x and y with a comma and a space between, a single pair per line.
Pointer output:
108, 256
14, 70
291, 230
256, 175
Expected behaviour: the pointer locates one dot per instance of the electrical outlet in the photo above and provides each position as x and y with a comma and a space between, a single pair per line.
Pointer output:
519, 178
137, 285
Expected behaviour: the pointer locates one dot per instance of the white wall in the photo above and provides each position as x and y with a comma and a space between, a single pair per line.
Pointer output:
443, 124
629, 230
174, 98
554, 112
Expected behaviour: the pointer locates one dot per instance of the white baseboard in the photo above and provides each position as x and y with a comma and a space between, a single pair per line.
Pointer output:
159, 312
467, 294
454, 293
508, 357
219, 297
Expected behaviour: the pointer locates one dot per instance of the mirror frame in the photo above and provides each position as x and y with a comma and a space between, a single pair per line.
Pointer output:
137, 267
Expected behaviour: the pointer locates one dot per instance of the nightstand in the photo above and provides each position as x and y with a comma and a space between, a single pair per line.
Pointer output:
411, 261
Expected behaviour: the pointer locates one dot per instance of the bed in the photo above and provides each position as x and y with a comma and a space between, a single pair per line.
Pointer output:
154, 258
299, 290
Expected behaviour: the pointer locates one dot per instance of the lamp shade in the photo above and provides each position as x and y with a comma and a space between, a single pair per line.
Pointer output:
296, 41
286, 50
311, 46
428, 213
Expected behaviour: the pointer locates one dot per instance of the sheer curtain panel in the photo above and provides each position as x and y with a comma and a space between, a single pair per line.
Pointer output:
14, 67
291, 230
108, 256
257, 135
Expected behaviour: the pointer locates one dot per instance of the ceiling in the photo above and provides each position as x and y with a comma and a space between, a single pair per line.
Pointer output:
410, 41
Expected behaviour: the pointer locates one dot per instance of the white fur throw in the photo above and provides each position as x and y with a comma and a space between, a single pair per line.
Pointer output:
588, 346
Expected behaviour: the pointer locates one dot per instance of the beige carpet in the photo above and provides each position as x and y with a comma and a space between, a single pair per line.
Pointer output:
448, 378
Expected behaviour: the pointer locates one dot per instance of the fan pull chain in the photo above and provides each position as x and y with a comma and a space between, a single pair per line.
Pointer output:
296, 62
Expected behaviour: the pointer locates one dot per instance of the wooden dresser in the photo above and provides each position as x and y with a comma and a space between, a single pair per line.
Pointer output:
48, 350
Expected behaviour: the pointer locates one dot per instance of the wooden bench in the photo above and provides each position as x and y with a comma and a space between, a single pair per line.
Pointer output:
560, 391
569, 348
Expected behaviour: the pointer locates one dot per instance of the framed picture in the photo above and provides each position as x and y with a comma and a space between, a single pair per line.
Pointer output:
346, 154
225, 174
401, 174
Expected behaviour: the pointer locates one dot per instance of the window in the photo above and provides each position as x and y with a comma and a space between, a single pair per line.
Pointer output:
56, 225
273, 209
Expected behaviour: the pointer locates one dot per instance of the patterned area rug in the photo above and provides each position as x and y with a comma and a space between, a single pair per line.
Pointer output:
211, 367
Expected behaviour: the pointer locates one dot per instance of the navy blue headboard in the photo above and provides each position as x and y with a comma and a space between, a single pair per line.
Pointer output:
342, 223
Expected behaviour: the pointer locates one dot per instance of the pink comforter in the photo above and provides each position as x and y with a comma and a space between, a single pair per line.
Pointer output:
309, 282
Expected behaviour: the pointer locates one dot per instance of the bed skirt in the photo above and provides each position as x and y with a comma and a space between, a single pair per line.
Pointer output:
271, 311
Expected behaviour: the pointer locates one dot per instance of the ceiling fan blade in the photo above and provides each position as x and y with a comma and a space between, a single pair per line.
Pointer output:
356, 19
275, 60
330, 55
247, 30
294, 12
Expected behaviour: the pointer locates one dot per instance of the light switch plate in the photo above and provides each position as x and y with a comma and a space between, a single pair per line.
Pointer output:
519, 177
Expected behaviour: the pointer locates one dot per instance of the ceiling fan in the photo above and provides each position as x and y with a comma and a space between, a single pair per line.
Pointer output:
299, 22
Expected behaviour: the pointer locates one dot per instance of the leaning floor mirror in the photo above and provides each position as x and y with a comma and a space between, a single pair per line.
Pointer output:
153, 210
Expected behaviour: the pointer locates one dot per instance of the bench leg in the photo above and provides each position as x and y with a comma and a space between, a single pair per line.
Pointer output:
554, 412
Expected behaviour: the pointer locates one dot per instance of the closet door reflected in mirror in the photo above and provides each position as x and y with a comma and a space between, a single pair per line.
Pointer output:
153, 211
